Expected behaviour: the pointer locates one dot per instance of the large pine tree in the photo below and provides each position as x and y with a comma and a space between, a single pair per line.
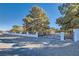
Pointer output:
70, 18
36, 21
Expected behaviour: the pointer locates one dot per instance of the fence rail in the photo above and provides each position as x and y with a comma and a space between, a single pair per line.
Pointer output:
20, 34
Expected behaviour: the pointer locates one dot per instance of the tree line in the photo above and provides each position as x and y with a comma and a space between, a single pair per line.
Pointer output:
38, 21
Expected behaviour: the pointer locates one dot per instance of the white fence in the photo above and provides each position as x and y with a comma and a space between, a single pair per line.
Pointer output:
20, 34
75, 35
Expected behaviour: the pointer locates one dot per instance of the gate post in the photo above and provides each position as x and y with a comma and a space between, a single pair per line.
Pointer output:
62, 36
76, 35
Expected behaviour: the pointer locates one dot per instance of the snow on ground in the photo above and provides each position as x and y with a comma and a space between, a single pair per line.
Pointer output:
13, 45
9, 37
42, 46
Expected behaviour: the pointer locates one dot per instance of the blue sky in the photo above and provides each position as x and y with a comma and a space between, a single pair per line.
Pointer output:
13, 13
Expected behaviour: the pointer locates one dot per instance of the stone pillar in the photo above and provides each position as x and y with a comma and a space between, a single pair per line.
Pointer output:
76, 35
27, 33
62, 36
20, 32
37, 34
0, 33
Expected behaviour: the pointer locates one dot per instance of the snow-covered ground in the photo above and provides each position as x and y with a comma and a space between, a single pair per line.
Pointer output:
30, 45
9, 37
42, 46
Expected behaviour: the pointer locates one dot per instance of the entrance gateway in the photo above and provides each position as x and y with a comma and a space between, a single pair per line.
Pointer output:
75, 35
